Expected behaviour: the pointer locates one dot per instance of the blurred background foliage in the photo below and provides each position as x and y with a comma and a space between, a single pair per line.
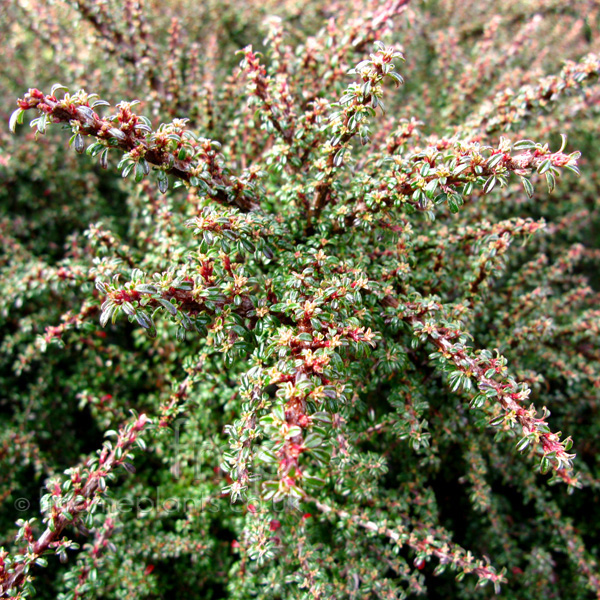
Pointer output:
62, 218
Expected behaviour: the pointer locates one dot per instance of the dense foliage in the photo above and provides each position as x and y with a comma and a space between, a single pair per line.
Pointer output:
334, 333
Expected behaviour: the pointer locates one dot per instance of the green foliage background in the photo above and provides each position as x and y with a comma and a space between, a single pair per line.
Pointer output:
405, 465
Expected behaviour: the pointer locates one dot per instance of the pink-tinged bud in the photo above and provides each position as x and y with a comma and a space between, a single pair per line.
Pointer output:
274, 525
560, 160
141, 422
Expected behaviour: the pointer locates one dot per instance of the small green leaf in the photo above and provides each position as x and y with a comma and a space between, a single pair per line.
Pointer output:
79, 144
107, 313
544, 166
525, 145
16, 118
496, 421
163, 185
144, 320
528, 186
490, 184
104, 159
494, 160
127, 169
522, 444
168, 305
140, 171
452, 204
56, 87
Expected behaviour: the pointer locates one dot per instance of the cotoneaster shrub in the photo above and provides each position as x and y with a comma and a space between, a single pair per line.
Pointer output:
340, 310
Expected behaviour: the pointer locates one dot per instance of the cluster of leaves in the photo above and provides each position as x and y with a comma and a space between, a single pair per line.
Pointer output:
352, 382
